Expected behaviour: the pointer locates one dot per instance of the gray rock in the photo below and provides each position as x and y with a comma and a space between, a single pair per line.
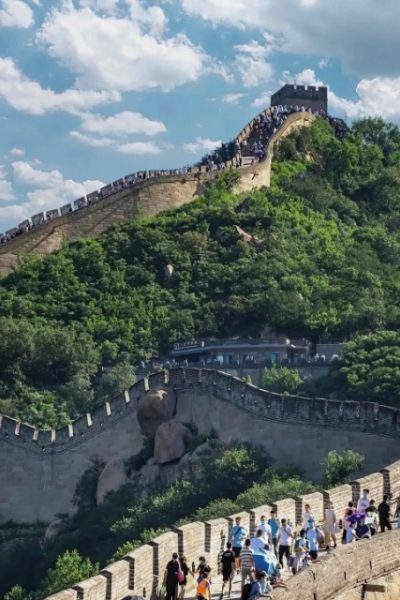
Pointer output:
169, 444
155, 408
112, 477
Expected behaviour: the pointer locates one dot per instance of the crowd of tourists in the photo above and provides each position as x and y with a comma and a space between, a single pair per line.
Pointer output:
277, 549
249, 151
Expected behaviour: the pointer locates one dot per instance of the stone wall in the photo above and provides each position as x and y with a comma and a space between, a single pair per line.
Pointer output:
40, 470
145, 199
140, 572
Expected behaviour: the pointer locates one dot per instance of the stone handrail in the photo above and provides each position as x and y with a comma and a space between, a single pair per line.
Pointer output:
141, 572
366, 417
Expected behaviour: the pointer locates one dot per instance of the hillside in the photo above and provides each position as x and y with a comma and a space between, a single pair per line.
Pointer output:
324, 264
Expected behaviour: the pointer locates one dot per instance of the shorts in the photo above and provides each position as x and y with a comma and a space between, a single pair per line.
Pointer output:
236, 551
227, 576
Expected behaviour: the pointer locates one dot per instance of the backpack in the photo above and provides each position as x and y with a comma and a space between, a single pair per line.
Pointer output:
180, 575
246, 591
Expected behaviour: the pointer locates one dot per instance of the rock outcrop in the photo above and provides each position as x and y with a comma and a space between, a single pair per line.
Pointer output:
155, 408
170, 441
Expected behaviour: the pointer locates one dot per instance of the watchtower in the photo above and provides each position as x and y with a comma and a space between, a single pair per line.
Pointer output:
309, 96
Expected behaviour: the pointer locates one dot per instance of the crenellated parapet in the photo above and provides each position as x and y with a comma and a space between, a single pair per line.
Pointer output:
365, 417
141, 572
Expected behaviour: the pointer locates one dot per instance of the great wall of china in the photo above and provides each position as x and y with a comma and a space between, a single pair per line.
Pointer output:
40, 470
145, 199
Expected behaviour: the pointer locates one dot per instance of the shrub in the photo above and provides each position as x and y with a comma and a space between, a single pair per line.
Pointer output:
339, 466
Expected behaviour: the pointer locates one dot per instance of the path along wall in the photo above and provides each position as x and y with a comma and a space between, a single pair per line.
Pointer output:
140, 572
145, 199
40, 470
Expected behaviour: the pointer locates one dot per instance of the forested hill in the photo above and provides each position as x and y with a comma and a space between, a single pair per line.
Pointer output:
323, 262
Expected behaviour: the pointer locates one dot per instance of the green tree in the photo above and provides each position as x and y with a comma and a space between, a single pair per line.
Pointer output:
17, 593
70, 568
282, 380
339, 466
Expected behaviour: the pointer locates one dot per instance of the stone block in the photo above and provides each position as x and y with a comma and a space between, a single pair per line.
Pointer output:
117, 576
373, 482
142, 580
94, 588
340, 496
286, 509
191, 540
316, 502
164, 546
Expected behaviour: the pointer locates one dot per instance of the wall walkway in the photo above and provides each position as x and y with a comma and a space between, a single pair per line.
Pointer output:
145, 199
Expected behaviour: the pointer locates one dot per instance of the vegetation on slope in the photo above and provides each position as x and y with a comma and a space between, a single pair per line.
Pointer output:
327, 268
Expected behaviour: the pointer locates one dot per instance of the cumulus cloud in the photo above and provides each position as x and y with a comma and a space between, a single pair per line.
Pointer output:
123, 123
363, 34
6, 189
49, 189
15, 13
27, 95
17, 151
89, 140
233, 98
121, 53
251, 63
139, 148
201, 145
262, 101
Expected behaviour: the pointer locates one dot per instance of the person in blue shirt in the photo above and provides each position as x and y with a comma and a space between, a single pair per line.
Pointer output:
274, 525
239, 534
313, 536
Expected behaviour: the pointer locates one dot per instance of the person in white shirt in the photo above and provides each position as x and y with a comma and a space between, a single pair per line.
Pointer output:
351, 535
363, 502
284, 541
258, 542
307, 517
266, 530
330, 526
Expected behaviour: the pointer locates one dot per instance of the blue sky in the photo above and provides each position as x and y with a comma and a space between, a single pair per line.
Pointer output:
91, 90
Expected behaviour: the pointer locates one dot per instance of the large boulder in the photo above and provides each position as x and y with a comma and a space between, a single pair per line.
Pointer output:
112, 477
156, 407
170, 441
53, 529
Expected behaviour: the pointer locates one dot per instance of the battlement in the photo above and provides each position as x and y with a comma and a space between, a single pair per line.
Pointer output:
147, 197
315, 98
368, 417
141, 572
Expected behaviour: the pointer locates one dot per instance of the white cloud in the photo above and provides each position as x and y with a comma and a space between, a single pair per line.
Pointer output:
123, 123
15, 13
139, 148
264, 100
233, 98
323, 63
251, 63
49, 190
6, 189
108, 6
90, 140
17, 151
26, 95
201, 145
363, 34
121, 53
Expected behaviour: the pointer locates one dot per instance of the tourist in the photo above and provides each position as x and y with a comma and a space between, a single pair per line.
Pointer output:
171, 578
185, 570
258, 542
227, 569
384, 514
261, 587
363, 502
307, 517
239, 534
313, 536
266, 530
351, 534
330, 526
371, 518
284, 541
274, 525
201, 568
203, 591
246, 562
346, 522
362, 529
